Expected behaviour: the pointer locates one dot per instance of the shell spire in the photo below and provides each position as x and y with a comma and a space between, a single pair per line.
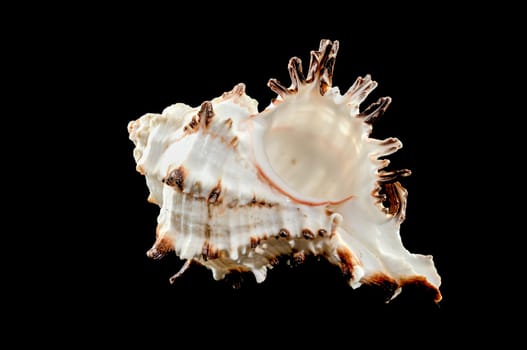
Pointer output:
238, 188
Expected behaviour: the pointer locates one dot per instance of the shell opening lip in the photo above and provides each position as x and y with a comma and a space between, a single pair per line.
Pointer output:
305, 200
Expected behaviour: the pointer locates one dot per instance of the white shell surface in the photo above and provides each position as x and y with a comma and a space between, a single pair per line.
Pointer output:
238, 188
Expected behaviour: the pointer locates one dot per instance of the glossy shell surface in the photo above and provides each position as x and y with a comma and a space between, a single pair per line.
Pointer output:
239, 188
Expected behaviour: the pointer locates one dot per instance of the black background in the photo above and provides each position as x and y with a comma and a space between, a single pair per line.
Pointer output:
116, 66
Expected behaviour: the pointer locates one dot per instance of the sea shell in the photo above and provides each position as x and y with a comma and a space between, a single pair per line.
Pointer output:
239, 188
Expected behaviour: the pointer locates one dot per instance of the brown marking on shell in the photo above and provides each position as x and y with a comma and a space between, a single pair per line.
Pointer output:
321, 67
140, 169
322, 64
422, 282
228, 123
273, 261
391, 145
381, 279
376, 191
335, 222
215, 193
380, 198
327, 64
151, 199
307, 234
387, 176
360, 89
182, 270
284, 233
322, 232
208, 251
161, 247
375, 110
329, 212
382, 163
260, 203
278, 88
299, 257
207, 232
205, 114
234, 142
314, 66
192, 126
397, 198
296, 74
347, 262
387, 284
176, 178
254, 242
388, 141
237, 90
276, 101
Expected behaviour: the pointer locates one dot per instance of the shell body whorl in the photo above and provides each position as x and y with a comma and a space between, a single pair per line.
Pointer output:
239, 188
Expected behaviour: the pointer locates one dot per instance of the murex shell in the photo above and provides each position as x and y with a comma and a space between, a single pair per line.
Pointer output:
239, 188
